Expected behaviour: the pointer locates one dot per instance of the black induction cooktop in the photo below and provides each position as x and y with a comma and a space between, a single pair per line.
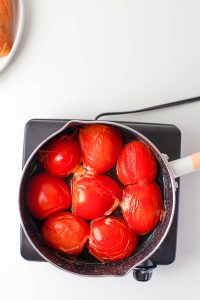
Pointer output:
166, 137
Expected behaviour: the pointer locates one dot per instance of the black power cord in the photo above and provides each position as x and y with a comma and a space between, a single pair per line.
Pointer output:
170, 104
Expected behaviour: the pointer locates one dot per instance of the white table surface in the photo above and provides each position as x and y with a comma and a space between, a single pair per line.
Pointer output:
80, 58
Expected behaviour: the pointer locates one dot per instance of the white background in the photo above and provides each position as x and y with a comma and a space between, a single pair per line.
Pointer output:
77, 59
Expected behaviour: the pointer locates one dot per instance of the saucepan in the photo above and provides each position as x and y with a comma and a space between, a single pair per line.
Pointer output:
85, 264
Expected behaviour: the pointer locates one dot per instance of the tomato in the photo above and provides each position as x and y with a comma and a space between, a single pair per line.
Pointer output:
110, 239
94, 196
100, 146
46, 195
61, 157
66, 232
142, 206
136, 163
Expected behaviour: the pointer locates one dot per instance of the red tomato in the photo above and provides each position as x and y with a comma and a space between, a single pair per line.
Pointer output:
66, 232
94, 196
136, 163
61, 157
111, 239
46, 195
100, 146
142, 206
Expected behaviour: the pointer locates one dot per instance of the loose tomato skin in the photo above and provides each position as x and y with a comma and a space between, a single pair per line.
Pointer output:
94, 196
110, 239
61, 157
142, 207
136, 164
66, 232
100, 147
46, 195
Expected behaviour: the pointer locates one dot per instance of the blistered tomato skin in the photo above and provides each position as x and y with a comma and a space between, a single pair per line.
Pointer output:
142, 207
61, 157
46, 195
94, 196
100, 147
110, 239
136, 164
66, 232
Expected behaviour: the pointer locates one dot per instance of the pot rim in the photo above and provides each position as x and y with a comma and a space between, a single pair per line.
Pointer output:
163, 157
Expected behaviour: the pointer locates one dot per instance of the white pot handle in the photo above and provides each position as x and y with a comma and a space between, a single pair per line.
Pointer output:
185, 165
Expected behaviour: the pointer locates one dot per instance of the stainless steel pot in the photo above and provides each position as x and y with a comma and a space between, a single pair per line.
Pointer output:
85, 264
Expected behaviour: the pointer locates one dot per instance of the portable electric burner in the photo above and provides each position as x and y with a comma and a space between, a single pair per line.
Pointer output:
166, 137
